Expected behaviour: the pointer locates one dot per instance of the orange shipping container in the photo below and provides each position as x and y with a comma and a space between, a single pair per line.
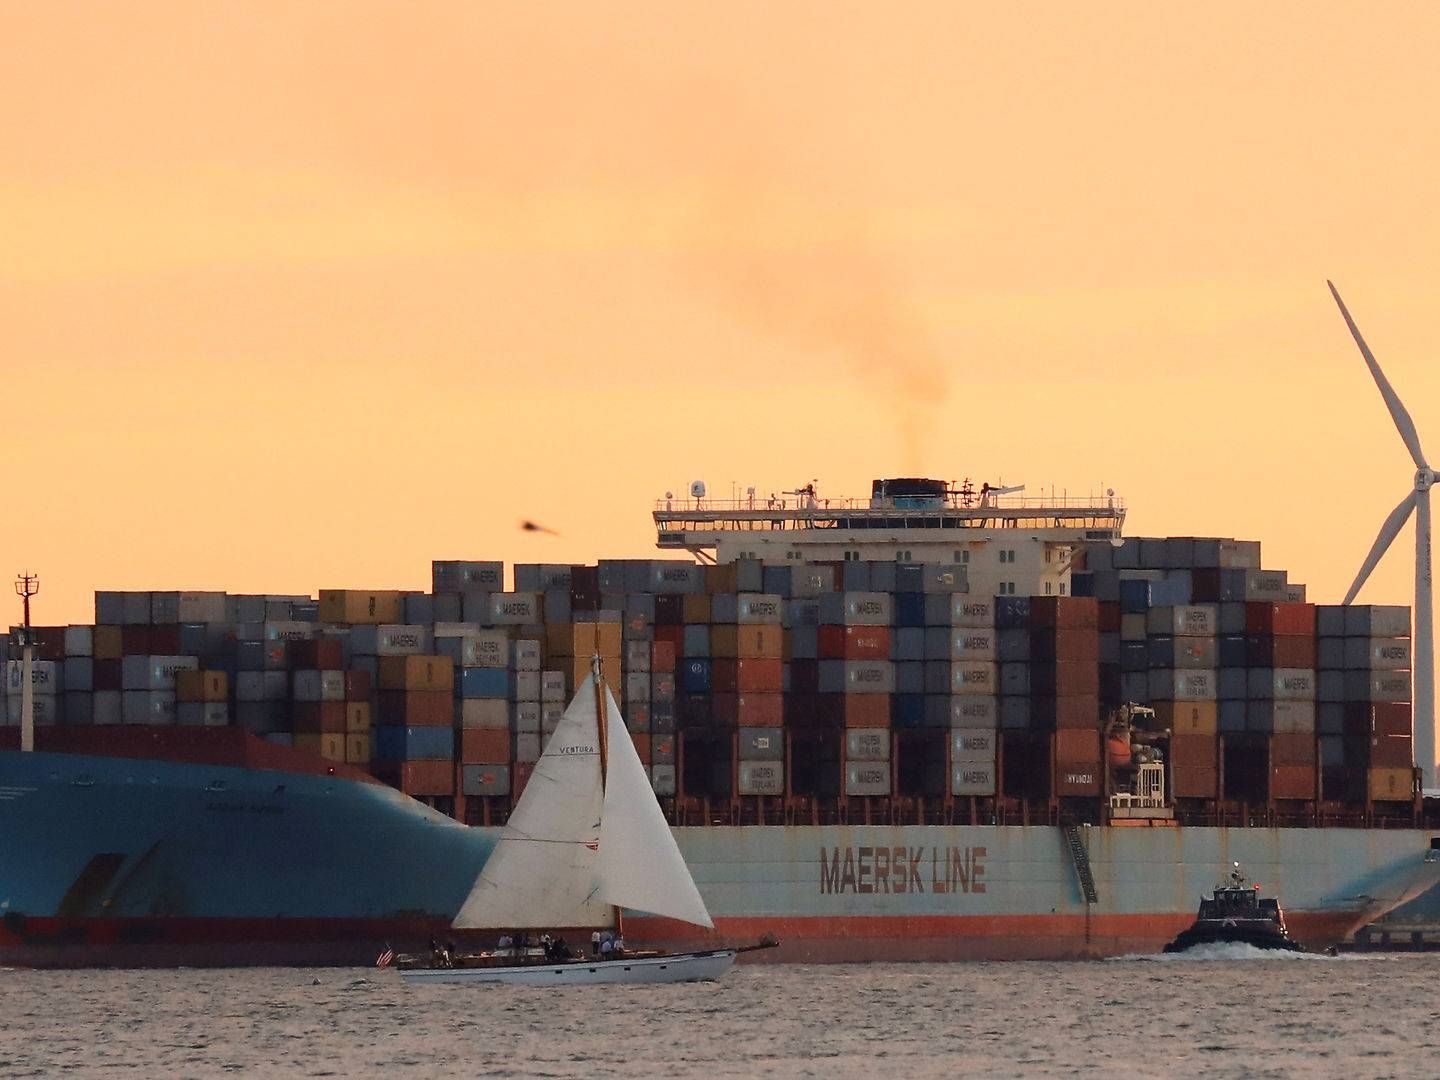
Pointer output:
855, 642
1390, 719
202, 686
1391, 785
588, 638
695, 607
329, 747
362, 607
1391, 752
610, 667
519, 776
357, 717
760, 642
1075, 711
357, 748
484, 746
1188, 717
417, 673
1077, 778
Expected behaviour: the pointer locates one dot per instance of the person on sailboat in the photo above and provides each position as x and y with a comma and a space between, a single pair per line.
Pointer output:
617, 946
595, 943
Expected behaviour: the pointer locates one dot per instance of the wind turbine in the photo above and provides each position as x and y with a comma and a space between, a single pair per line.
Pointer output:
1418, 503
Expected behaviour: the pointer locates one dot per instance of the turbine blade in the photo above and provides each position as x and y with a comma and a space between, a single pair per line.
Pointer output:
1398, 413
1393, 524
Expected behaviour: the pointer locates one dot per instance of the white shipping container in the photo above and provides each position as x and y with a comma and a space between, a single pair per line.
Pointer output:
401, 640
976, 611
1266, 585
867, 778
515, 609
1132, 627
972, 745
1380, 686
550, 714
1378, 654
162, 669
45, 676
973, 711
318, 685
760, 778
811, 580
1294, 684
525, 655
202, 714
972, 643
974, 677
1184, 620
637, 656
527, 746
972, 778
662, 779
761, 744
525, 686
79, 641
552, 687
45, 708
1183, 684
637, 686
492, 713
202, 607
1294, 717
108, 707
867, 744
149, 707
526, 717
289, 631
759, 609
485, 649
856, 609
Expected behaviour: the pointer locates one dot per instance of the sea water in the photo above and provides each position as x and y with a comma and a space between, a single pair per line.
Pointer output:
1227, 1012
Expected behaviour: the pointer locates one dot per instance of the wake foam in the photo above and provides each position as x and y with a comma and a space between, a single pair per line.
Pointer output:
1229, 951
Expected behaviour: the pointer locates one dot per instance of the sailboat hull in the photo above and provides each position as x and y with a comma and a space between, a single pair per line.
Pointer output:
680, 967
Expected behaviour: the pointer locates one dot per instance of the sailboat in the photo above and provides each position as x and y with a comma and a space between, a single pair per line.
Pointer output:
586, 839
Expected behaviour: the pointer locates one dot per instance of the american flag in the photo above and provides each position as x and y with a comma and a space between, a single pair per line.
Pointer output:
383, 960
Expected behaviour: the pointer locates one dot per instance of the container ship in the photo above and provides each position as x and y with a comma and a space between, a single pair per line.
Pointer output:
937, 723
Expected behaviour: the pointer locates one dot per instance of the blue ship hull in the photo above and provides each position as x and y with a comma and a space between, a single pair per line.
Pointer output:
135, 862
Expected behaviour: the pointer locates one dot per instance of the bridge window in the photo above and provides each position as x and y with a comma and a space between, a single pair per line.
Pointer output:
1062, 588
1047, 588
1007, 588
1007, 555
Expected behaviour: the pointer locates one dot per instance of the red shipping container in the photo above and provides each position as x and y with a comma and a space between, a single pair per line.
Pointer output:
723, 675
1068, 679
484, 746
804, 676
1077, 778
1391, 752
1292, 782
1070, 711
1294, 651
1297, 748
318, 717
107, 674
1280, 620
165, 640
427, 777
1076, 746
724, 710
642, 746
49, 642
1077, 646
1194, 752
1194, 781
855, 642
357, 686
320, 654
759, 676
1065, 612
662, 655
1387, 718
672, 634
760, 710
1108, 616
135, 641
864, 710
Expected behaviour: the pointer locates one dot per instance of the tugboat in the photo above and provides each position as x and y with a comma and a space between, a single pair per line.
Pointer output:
1236, 913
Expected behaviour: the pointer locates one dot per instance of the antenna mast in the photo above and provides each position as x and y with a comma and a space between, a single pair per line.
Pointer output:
26, 586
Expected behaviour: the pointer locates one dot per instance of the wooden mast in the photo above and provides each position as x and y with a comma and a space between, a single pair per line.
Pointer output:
602, 727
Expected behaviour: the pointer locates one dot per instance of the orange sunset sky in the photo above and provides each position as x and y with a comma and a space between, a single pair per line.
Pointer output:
305, 295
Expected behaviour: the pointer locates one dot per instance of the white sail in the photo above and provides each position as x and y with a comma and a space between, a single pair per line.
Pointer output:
640, 867
543, 869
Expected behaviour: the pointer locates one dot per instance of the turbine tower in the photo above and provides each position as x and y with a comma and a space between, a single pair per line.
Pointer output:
1417, 501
